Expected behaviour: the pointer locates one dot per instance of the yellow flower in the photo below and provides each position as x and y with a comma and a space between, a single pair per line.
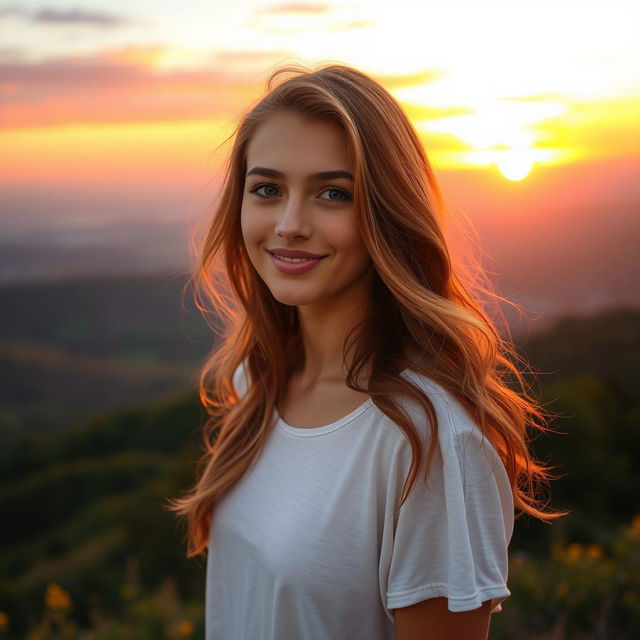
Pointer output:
4, 620
594, 551
185, 627
574, 551
635, 526
56, 597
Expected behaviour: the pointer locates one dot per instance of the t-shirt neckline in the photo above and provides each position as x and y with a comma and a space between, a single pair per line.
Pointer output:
305, 432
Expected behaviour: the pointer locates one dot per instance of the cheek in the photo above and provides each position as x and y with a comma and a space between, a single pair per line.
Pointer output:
250, 226
355, 249
348, 239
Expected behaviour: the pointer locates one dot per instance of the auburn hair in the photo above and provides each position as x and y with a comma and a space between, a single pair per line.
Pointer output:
429, 311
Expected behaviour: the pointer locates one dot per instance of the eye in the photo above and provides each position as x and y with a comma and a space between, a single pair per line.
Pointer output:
337, 195
268, 190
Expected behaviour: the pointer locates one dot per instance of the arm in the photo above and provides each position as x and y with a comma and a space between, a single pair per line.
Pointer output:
432, 620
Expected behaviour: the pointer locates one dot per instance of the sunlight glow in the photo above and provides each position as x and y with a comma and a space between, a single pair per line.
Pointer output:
482, 91
504, 132
515, 165
120, 153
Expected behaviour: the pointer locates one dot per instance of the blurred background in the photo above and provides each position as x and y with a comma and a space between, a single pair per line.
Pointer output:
112, 123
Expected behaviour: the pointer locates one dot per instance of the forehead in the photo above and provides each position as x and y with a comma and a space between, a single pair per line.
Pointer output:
294, 143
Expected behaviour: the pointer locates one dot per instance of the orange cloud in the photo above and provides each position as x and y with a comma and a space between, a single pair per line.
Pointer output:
135, 56
122, 85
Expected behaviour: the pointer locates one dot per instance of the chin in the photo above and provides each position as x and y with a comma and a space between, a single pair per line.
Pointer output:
292, 299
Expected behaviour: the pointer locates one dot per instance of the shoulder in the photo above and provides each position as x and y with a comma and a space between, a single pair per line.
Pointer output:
461, 441
467, 468
451, 414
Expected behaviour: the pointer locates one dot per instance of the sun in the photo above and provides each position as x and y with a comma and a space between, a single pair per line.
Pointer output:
515, 164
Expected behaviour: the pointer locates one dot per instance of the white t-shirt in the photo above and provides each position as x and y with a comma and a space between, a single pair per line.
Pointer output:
306, 546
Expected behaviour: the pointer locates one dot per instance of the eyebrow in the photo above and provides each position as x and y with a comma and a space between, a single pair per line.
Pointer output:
322, 175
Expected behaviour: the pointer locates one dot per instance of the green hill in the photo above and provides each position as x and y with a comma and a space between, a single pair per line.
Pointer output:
132, 318
73, 350
604, 345
80, 506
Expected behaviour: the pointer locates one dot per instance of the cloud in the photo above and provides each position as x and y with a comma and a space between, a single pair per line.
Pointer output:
296, 7
77, 16
13, 10
395, 81
11, 53
253, 57
129, 84
122, 85
65, 16
63, 73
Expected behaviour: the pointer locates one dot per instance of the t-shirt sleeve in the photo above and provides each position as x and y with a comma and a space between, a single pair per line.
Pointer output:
452, 534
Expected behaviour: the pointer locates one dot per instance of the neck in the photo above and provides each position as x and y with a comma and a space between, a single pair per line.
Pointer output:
325, 327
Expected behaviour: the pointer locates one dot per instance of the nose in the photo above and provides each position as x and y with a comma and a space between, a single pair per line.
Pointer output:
293, 222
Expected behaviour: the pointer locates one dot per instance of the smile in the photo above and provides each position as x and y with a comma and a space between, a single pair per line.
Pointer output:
286, 259
294, 266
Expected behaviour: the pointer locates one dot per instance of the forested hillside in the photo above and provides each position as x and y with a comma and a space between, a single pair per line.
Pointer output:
77, 349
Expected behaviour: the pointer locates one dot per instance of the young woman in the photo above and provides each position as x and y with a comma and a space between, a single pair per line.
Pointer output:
365, 447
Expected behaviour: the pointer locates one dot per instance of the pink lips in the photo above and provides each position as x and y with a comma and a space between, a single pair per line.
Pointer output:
294, 267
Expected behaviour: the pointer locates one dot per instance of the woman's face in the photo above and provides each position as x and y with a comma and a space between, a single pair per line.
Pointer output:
288, 204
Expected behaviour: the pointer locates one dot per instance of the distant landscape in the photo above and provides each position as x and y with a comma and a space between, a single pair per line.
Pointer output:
66, 253
70, 350
99, 423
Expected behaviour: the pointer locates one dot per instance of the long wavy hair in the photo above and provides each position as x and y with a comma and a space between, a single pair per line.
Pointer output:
429, 312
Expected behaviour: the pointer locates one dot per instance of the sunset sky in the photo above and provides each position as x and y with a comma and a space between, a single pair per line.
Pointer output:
111, 113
